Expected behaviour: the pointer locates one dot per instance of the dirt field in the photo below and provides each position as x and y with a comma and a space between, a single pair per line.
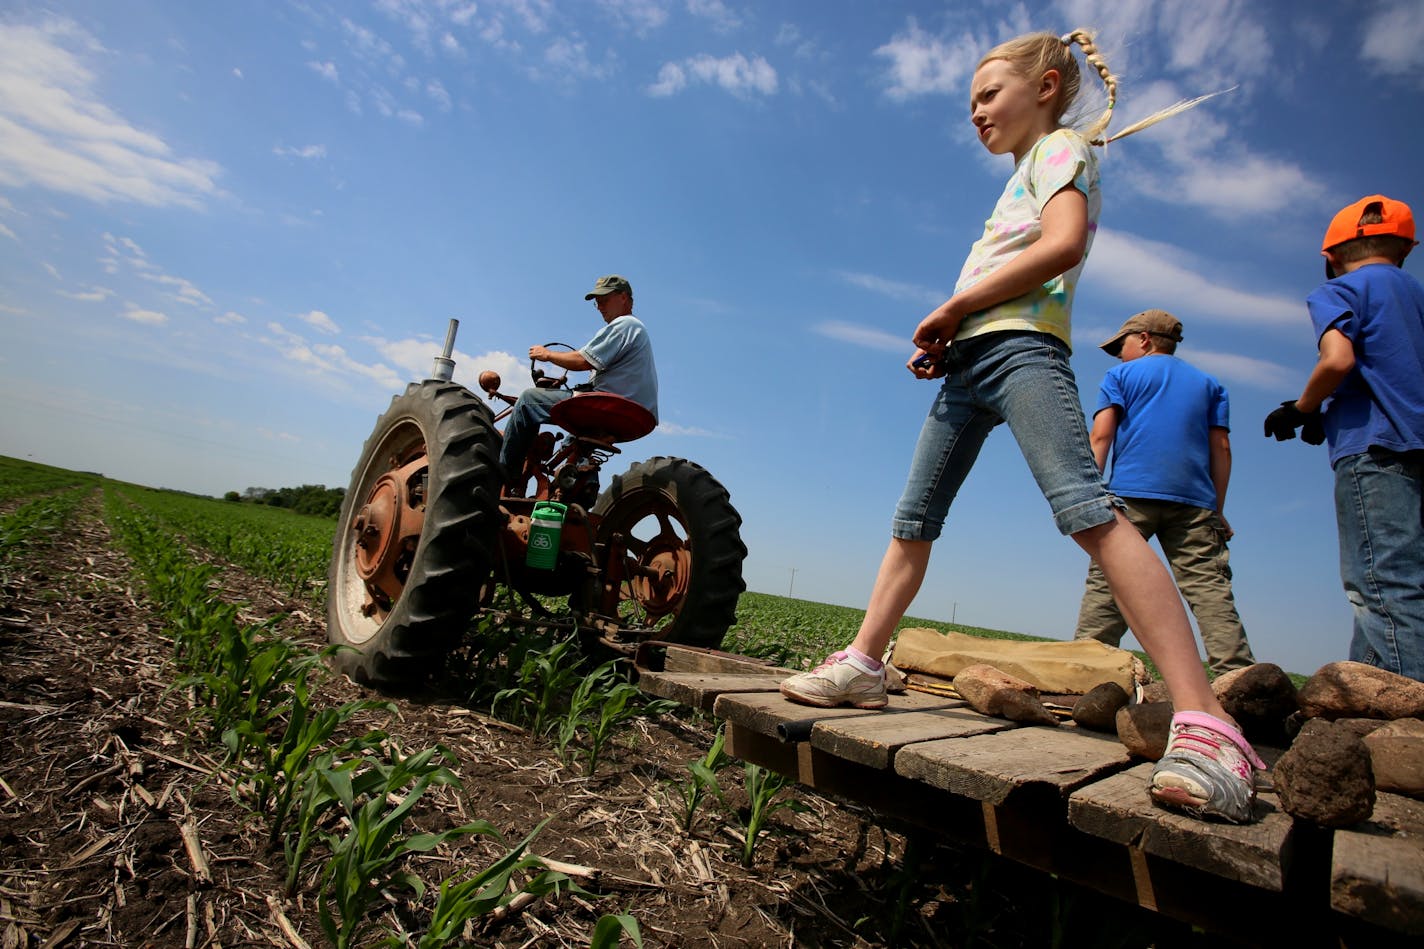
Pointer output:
117, 829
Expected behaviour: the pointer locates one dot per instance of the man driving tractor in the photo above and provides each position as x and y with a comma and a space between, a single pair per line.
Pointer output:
620, 356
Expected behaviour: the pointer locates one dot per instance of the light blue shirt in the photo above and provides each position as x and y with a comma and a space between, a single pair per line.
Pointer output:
621, 355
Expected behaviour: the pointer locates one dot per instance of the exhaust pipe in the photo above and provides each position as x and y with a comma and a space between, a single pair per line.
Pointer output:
444, 367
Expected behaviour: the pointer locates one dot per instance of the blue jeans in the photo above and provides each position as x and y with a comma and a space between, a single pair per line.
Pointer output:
1379, 505
1023, 379
531, 410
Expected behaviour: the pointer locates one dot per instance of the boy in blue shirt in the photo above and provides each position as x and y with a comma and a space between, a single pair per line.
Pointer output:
1168, 426
1366, 398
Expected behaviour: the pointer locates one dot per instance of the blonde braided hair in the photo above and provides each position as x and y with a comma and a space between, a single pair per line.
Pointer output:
1034, 54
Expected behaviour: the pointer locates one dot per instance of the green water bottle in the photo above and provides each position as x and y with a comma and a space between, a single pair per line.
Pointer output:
545, 525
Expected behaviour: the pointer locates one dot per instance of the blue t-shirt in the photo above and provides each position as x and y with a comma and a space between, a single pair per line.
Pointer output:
1162, 449
1380, 309
622, 358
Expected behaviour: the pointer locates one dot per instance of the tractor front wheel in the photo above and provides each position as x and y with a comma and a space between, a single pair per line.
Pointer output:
416, 535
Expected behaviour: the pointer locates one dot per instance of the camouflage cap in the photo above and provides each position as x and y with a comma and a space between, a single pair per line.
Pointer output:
609, 284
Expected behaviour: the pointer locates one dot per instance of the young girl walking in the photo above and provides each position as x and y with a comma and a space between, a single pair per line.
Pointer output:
1001, 344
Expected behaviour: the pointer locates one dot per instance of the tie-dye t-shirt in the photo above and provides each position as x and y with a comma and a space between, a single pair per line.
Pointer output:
1058, 160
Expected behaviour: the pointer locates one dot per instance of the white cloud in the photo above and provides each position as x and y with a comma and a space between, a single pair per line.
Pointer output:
640, 16
308, 152
722, 18
1234, 369
1393, 36
325, 70
1140, 269
737, 74
55, 133
181, 290
671, 80
922, 64
320, 321
146, 317
865, 336
570, 58
92, 295
230, 318
909, 292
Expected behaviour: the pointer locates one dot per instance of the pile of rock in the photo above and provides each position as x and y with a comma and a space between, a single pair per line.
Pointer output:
1350, 730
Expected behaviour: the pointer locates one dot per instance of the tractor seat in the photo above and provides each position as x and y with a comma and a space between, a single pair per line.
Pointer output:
602, 415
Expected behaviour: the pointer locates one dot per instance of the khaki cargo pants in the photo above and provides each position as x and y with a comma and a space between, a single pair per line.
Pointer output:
1194, 541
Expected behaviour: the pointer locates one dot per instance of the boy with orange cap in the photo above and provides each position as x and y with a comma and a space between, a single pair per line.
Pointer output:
1366, 398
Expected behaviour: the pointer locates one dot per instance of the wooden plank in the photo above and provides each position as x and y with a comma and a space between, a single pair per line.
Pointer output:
700, 689
1377, 869
1118, 808
671, 657
765, 750
1016, 762
874, 740
769, 713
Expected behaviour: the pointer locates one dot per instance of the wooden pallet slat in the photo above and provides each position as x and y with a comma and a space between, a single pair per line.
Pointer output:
1377, 869
993, 767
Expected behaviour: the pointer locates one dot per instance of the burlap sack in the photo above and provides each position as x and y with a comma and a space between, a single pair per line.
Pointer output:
1060, 668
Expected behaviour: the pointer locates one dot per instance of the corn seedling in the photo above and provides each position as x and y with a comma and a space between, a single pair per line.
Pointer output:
763, 790
542, 680
703, 780
368, 859
280, 765
315, 795
609, 930
462, 901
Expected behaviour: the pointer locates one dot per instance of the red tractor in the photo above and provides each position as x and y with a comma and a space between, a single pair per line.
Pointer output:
426, 532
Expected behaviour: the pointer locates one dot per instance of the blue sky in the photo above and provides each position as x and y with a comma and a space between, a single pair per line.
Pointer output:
230, 232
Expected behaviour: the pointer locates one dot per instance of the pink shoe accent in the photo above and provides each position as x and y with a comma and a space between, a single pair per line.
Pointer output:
1224, 729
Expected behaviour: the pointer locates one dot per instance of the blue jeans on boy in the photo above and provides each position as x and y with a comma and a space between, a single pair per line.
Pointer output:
1379, 506
531, 410
1024, 379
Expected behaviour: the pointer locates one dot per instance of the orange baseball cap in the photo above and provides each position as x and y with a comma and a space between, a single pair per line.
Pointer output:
1396, 221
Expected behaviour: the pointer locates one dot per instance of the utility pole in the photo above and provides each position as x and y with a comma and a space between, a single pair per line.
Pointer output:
954, 611
792, 585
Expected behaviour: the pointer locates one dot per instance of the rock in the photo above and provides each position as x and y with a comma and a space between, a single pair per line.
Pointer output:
1156, 691
1357, 690
1142, 728
1098, 709
995, 693
1260, 698
1360, 726
1325, 777
1397, 756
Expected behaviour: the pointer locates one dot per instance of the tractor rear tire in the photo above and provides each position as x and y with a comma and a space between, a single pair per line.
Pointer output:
442, 440
675, 517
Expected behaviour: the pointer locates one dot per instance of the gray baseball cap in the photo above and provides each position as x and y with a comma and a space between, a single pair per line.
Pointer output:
609, 284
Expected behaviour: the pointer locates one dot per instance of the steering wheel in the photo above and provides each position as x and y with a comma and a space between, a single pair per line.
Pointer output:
544, 380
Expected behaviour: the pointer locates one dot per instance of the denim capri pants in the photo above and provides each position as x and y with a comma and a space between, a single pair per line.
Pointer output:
1022, 378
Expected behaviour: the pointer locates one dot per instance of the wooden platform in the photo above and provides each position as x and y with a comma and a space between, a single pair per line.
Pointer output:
1070, 802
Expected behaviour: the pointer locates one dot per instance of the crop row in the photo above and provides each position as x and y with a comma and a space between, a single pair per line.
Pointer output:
291, 550
343, 803
345, 800
23, 479
35, 519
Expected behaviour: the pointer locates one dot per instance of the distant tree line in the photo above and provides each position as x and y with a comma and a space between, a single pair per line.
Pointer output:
315, 499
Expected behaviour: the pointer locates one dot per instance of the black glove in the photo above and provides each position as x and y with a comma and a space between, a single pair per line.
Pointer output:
1283, 422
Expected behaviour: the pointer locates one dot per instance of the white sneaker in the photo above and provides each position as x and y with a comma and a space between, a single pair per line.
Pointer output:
837, 682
